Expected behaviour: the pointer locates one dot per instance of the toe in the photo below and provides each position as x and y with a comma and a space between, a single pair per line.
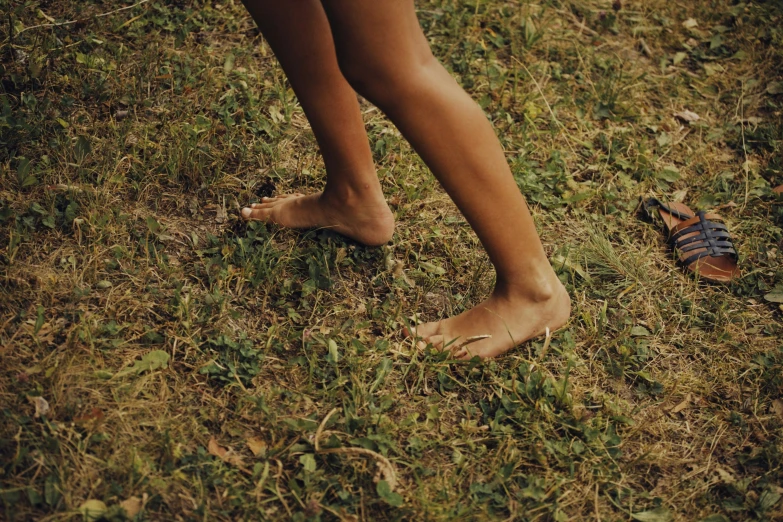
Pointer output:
462, 353
426, 329
436, 341
467, 352
255, 214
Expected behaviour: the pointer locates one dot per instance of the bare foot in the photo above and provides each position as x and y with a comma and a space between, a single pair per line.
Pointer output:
369, 223
509, 320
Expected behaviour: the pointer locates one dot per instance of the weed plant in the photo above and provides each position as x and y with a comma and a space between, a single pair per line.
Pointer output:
161, 360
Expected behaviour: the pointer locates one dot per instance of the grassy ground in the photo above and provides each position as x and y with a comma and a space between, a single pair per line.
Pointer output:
195, 368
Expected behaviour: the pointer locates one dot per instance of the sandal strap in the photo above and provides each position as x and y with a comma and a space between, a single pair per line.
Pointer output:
651, 203
694, 220
704, 253
713, 239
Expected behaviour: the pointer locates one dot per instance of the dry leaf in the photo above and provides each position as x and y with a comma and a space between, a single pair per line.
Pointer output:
684, 404
690, 23
216, 449
223, 454
92, 509
725, 476
679, 195
221, 215
132, 506
41, 406
95, 414
687, 116
257, 446
777, 407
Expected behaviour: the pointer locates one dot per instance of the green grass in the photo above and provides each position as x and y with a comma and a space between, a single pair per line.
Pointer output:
208, 370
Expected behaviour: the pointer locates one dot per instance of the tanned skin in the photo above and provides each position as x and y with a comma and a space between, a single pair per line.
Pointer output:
331, 48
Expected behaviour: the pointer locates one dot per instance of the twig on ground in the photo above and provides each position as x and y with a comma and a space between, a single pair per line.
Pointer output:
386, 469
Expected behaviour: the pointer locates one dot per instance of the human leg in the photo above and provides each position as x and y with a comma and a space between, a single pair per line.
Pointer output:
352, 202
385, 56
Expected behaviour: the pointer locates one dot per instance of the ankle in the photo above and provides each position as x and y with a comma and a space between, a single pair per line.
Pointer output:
534, 290
353, 194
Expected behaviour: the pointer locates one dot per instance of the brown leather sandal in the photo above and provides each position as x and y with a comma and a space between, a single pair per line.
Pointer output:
702, 245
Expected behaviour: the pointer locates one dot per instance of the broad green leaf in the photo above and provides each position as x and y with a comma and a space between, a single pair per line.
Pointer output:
156, 359
153, 360
678, 58
668, 174
432, 269
29, 181
228, 65
386, 493
308, 461
660, 514
639, 331
707, 201
664, 139
39, 320
81, 148
768, 499
153, 224
334, 355
92, 509
776, 295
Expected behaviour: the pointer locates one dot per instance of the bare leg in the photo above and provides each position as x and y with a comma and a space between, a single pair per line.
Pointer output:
352, 202
385, 56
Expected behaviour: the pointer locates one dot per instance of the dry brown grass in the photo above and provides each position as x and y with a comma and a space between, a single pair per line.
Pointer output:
661, 400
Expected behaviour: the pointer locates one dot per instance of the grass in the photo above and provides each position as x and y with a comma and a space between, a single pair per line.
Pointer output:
163, 361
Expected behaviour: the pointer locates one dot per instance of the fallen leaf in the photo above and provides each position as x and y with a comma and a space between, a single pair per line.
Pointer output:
639, 331
684, 404
223, 454
388, 495
432, 268
687, 116
690, 23
257, 446
216, 449
132, 506
725, 476
769, 497
776, 295
660, 514
775, 88
154, 360
777, 407
679, 195
221, 215
559, 261
94, 414
92, 509
679, 57
41, 405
